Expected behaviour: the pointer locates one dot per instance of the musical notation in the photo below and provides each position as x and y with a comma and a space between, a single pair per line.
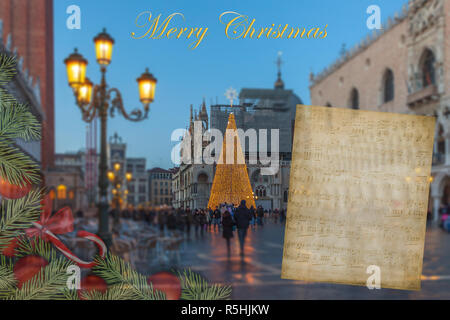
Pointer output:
358, 196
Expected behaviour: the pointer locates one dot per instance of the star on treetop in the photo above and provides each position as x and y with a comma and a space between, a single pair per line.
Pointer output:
231, 95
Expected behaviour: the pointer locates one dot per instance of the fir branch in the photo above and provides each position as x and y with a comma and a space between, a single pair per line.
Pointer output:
7, 69
119, 291
47, 284
7, 280
115, 270
16, 121
18, 215
15, 166
36, 246
70, 294
6, 97
195, 287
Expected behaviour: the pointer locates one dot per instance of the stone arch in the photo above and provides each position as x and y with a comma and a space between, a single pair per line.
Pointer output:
439, 183
354, 99
388, 86
427, 67
202, 177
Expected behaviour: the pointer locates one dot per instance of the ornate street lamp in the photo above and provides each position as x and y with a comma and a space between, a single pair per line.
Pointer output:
103, 47
147, 85
76, 69
84, 93
100, 100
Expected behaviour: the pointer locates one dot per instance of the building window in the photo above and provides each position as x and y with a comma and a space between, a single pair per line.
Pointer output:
427, 67
62, 191
71, 195
354, 99
388, 86
260, 191
52, 194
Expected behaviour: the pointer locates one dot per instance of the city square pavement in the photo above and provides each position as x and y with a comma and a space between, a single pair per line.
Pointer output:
258, 275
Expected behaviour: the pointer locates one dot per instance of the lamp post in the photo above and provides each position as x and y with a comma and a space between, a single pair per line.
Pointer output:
99, 100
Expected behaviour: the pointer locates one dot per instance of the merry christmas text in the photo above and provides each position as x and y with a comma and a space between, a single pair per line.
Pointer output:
237, 26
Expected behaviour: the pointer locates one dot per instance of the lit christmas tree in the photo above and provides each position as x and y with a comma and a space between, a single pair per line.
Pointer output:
231, 183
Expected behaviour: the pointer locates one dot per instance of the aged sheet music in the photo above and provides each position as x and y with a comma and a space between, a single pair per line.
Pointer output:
358, 196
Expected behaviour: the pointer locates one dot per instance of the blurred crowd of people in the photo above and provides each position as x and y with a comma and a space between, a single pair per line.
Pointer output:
444, 213
227, 218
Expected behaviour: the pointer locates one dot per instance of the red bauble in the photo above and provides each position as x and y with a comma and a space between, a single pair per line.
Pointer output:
12, 191
91, 283
167, 283
27, 267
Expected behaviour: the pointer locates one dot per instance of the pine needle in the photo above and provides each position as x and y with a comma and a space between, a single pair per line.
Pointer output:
7, 280
15, 166
16, 121
119, 291
36, 246
70, 294
195, 287
7, 69
115, 271
6, 97
47, 284
17, 215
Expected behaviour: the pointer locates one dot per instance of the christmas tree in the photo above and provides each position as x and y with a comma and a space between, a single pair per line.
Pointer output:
231, 183
34, 264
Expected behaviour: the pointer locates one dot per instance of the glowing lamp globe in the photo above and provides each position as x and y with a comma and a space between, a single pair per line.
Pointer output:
84, 92
147, 85
103, 48
111, 175
76, 69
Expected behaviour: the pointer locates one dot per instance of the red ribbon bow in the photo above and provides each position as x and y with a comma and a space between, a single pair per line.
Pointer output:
62, 222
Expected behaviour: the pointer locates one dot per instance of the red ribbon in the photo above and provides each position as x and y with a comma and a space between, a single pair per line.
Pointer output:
62, 222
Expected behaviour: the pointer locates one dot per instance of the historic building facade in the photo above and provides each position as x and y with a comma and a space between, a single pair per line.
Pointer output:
134, 191
191, 183
66, 184
26, 29
138, 185
257, 109
160, 186
25, 92
404, 68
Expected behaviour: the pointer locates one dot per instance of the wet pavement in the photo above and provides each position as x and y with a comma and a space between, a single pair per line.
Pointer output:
258, 275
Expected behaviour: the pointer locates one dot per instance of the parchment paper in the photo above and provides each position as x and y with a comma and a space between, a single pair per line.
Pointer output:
358, 196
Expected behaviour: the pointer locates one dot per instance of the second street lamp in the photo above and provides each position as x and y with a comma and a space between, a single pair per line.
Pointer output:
100, 100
